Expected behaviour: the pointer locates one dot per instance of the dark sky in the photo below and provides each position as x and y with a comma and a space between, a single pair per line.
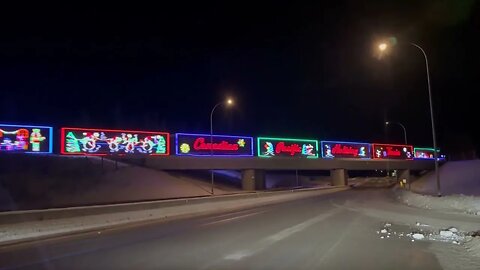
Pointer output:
305, 70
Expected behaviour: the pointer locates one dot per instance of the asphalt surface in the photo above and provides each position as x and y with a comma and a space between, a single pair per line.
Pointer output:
322, 232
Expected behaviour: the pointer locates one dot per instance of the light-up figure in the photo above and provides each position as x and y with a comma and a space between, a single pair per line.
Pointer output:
131, 142
89, 142
22, 139
161, 144
328, 151
147, 144
35, 139
269, 150
307, 149
9, 146
114, 144
409, 155
362, 151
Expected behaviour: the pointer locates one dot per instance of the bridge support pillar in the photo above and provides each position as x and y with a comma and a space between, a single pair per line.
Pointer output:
253, 179
339, 177
404, 177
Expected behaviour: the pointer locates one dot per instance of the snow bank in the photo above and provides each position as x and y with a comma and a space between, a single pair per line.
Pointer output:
456, 177
453, 203
39, 182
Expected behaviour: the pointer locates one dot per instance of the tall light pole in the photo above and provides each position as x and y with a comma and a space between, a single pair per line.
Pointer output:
227, 102
403, 127
382, 47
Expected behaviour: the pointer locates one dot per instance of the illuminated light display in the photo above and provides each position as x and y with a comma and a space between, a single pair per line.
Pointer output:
424, 153
25, 139
392, 151
84, 141
281, 147
333, 149
222, 145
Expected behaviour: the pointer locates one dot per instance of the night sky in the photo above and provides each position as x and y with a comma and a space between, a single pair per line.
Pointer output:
296, 70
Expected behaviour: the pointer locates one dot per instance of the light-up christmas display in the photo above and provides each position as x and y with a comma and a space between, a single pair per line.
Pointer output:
425, 153
332, 149
392, 151
25, 139
220, 145
111, 142
277, 147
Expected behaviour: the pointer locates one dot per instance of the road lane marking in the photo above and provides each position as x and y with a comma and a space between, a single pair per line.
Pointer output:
232, 214
233, 218
279, 236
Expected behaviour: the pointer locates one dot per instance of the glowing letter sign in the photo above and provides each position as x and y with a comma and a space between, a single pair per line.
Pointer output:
279, 147
424, 153
25, 139
222, 145
83, 141
345, 150
392, 151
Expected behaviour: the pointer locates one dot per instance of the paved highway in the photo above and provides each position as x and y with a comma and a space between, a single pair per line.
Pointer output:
333, 231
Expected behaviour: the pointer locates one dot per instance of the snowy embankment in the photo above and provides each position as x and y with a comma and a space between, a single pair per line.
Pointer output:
470, 241
451, 203
40, 182
456, 177
460, 185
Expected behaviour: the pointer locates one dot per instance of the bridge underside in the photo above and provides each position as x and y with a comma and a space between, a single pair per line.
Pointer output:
256, 163
253, 168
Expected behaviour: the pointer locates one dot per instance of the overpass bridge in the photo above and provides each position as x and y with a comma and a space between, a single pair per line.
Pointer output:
253, 168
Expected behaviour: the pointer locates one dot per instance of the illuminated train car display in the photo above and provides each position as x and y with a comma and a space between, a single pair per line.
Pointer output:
220, 145
282, 147
392, 151
26, 139
334, 149
101, 142
87, 141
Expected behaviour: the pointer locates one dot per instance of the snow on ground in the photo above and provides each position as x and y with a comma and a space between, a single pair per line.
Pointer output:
470, 241
453, 203
460, 186
456, 177
57, 181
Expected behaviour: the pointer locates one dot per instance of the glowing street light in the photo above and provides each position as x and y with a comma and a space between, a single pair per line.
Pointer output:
382, 47
228, 102
403, 127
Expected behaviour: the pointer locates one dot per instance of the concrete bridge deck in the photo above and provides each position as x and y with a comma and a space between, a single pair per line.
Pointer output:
242, 163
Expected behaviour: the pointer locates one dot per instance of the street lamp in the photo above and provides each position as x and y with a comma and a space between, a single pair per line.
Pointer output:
228, 102
382, 47
403, 127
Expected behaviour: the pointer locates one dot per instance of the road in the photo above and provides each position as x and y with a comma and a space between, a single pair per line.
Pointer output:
333, 231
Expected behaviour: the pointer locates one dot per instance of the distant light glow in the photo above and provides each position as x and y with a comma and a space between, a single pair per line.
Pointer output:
382, 46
